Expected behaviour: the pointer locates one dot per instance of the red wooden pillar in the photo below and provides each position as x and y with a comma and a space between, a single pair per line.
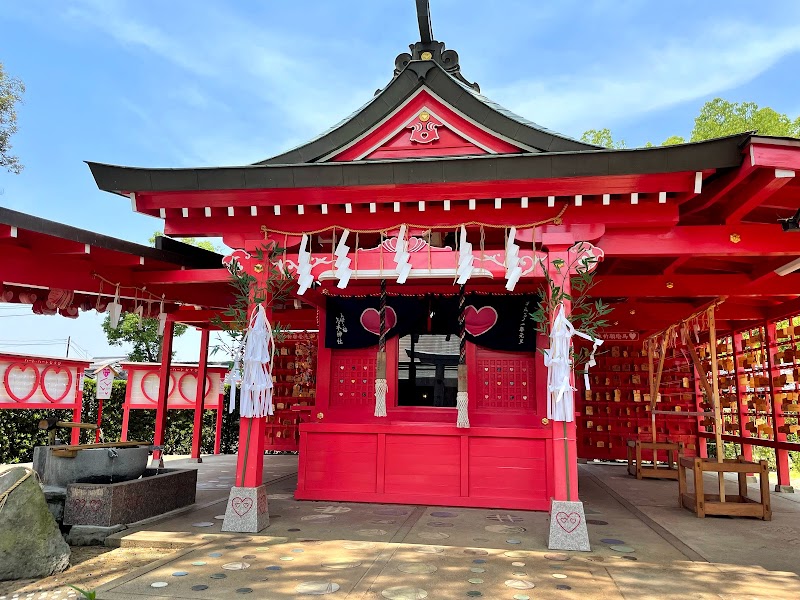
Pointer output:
776, 406
252, 434
163, 388
218, 432
743, 409
200, 395
565, 447
75, 435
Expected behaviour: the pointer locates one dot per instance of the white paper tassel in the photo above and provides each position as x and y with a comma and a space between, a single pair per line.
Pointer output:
465, 259
381, 387
235, 378
304, 276
402, 257
462, 402
342, 264
259, 348
114, 311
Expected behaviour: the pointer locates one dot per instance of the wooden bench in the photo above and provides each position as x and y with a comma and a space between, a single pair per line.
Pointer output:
635, 467
737, 505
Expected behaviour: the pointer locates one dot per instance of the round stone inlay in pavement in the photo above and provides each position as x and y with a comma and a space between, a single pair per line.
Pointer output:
429, 550
273, 568
433, 535
517, 564
199, 588
519, 574
477, 570
332, 510
559, 575
417, 568
403, 592
439, 524
475, 580
293, 528
203, 524
521, 597
236, 566
287, 558
180, 573
474, 593
520, 584
218, 576
513, 554
357, 545
596, 522
244, 590
338, 566
230, 547
504, 529
198, 563
371, 532
159, 584
317, 588
611, 541
561, 586
556, 556
625, 549
475, 552
215, 554
513, 541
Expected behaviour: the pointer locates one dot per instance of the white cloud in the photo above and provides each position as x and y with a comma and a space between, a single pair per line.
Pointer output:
653, 77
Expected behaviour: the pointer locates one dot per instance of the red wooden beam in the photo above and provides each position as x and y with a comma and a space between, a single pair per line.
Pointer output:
693, 286
362, 194
718, 189
179, 276
703, 240
751, 197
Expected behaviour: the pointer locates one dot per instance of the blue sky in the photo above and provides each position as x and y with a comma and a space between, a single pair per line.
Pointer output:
178, 83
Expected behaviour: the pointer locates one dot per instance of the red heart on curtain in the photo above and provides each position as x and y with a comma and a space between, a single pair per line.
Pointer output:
371, 320
479, 321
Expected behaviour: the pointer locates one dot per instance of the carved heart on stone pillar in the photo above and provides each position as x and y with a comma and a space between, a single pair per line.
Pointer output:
568, 521
241, 506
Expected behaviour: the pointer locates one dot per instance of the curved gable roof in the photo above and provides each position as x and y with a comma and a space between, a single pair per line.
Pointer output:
416, 74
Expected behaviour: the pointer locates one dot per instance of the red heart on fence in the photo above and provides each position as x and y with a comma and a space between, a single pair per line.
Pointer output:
241, 506
155, 374
371, 320
55, 370
479, 321
22, 367
189, 394
568, 521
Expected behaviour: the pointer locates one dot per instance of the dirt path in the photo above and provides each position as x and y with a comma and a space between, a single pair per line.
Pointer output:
91, 567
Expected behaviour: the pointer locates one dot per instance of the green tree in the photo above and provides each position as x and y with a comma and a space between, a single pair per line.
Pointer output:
719, 118
602, 137
673, 140
144, 338
11, 90
204, 244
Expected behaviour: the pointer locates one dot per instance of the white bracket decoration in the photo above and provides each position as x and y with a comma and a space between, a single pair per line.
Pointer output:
342, 264
304, 276
465, 259
402, 256
513, 268
162, 317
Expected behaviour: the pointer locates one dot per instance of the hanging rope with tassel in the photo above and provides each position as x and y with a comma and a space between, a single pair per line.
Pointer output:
381, 386
462, 397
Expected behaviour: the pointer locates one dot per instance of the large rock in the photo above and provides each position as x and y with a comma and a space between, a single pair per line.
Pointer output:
30, 540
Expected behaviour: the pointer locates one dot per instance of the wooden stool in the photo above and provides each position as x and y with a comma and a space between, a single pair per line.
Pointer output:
635, 467
737, 505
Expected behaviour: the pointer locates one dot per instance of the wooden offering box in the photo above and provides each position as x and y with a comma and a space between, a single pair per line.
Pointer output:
636, 468
737, 505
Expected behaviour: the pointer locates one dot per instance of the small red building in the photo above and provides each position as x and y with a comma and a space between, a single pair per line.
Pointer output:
390, 188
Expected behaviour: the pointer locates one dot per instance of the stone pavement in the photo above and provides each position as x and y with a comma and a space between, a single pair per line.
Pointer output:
371, 551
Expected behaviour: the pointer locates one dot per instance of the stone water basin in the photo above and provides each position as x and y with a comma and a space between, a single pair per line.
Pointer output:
90, 465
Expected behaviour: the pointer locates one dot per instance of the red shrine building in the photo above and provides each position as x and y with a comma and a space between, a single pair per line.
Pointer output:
420, 229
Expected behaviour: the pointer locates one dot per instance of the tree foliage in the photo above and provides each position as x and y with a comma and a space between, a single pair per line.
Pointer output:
143, 337
11, 90
204, 244
717, 118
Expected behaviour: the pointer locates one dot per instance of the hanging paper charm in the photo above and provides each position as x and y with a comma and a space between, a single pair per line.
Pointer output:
304, 276
162, 317
513, 268
401, 256
114, 310
259, 348
465, 259
558, 360
342, 264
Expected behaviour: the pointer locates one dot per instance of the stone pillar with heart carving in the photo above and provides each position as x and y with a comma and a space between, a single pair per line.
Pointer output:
567, 519
247, 510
